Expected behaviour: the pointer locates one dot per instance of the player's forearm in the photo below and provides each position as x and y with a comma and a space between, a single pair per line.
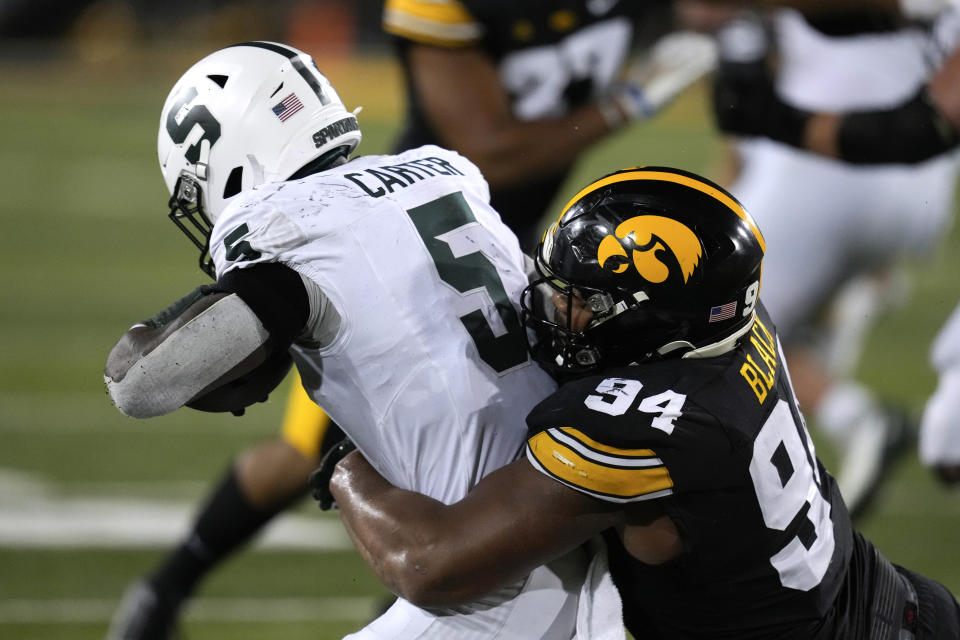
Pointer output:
917, 129
398, 533
444, 555
914, 131
464, 100
821, 134
517, 151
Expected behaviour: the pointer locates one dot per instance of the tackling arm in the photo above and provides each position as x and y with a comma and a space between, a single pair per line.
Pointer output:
433, 554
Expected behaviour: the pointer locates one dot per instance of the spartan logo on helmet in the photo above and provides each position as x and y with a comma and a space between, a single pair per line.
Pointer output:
644, 241
184, 115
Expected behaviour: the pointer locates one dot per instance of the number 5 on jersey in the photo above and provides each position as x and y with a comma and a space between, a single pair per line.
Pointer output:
467, 273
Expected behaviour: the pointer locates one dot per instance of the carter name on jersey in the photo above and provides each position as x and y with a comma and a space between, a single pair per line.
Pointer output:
380, 181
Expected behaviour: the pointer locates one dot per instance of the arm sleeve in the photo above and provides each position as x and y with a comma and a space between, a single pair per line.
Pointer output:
276, 294
607, 473
911, 132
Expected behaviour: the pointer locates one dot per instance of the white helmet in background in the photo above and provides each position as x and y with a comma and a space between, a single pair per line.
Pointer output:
252, 113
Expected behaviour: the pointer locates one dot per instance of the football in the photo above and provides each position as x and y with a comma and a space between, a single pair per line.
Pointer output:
238, 394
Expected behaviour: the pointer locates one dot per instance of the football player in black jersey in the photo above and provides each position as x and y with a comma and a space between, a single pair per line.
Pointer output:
675, 435
523, 89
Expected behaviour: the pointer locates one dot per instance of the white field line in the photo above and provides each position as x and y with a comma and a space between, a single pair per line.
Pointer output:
70, 611
32, 514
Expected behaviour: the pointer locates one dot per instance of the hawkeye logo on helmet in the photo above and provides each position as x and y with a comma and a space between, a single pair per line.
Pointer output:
642, 240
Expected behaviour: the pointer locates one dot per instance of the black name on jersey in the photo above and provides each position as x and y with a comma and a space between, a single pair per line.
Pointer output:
386, 179
760, 372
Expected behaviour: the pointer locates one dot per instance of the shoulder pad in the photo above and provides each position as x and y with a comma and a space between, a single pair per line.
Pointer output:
608, 473
445, 23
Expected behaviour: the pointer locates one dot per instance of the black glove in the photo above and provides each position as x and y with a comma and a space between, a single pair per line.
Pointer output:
948, 474
745, 101
320, 478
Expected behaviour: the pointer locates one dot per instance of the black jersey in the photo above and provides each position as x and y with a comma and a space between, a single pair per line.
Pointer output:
551, 55
720, 443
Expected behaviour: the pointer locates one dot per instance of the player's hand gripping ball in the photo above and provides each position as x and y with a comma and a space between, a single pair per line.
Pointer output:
235, 396
320, 479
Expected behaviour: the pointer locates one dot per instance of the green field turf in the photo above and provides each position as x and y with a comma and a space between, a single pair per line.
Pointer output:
87, 251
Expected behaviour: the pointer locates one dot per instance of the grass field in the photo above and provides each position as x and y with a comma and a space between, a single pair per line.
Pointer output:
89, 499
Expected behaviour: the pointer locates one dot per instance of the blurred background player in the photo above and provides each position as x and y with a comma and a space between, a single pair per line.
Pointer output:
523, 89
921, 127
838, 228
940, 428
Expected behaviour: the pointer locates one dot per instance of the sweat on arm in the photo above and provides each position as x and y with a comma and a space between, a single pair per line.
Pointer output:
208, 338
434, 554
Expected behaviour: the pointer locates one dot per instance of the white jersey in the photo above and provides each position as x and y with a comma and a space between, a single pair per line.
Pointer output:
819, 72
428, 372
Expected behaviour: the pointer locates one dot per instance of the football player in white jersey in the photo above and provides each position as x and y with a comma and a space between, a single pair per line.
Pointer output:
839, 226
389, 278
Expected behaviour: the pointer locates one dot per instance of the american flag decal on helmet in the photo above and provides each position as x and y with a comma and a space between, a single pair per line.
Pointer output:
723, 312
287, 107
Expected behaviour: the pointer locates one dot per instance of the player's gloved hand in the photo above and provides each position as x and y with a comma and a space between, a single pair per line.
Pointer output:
670, 66
320, 478
948, 474
745, 101
925, 10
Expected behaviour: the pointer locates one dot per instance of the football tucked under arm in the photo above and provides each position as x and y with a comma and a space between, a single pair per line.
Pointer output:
194, 346
220, 348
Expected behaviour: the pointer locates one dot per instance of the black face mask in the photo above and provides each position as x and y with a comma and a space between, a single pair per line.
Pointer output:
557, 347
186, 211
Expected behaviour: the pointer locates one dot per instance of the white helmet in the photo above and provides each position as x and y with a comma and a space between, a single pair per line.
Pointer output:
252, 113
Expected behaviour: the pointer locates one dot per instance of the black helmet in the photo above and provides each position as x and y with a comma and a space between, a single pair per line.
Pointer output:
667, 261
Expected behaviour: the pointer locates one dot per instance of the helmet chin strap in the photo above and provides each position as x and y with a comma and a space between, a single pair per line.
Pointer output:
256, 170
721, 346
203, 162
674, 346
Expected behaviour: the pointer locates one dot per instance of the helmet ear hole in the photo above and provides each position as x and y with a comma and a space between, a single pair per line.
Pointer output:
234, 183
221, 80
